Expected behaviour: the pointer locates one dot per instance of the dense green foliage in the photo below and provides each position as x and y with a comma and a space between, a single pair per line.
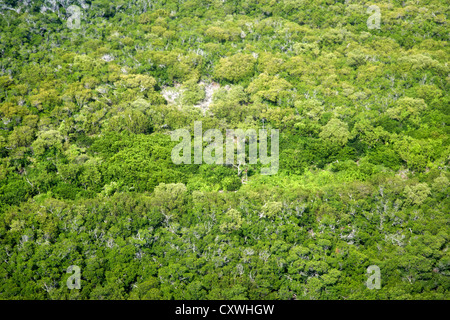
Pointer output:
86, 176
